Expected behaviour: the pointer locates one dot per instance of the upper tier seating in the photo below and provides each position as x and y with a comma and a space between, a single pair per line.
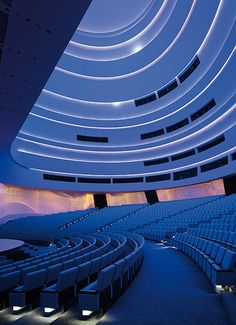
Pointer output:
71, 223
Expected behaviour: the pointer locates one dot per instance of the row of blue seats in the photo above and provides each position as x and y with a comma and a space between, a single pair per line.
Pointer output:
71, 280
220, 226
103, 218
112, 281
87, 221
29, 292
37, 224
66, 246
223, 238
217, 262
157, 213
17, 274
208, 215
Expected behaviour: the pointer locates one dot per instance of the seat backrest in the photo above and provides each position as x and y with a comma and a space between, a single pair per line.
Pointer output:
53, 272
55, 260
78, 260
200, 242
95, 265
27, 270
204, 245
66, 279
67, 264
209, 247
231, 237
7, 270
9, 280
103, 263
119, 268
83, 271
105, 278
225, 236
35, 279
229, 261
214, 251
43, 265
86, 257
220, 255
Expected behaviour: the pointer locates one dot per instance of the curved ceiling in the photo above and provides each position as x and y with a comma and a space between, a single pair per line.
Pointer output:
143, 97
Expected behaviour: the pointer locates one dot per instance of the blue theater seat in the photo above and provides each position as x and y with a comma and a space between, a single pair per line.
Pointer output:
97, 295
117, 283
224, 273
60, 294
25, 271
27, 294
53, 272
7, 282
82, 278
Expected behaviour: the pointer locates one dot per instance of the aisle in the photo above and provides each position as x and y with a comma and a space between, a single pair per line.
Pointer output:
170, 289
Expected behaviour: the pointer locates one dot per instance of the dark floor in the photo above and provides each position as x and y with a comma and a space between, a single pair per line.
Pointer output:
170, 289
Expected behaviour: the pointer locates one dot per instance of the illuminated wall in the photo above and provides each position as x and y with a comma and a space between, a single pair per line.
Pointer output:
126, 198
194, 191
26, 201
18, 200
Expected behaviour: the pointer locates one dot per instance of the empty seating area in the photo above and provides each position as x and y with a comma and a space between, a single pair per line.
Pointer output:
212, 244
89, 259
216, 261
104, 218
155, 222
67, 223
46, 225
58, 279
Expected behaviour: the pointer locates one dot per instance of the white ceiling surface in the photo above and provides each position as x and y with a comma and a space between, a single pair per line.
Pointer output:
122, 51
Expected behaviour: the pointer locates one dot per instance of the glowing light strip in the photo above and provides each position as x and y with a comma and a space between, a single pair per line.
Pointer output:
128, 43
149, 122
53, 94
188, 137
141, 69
127, 118
113, 33
182, 168
151, 141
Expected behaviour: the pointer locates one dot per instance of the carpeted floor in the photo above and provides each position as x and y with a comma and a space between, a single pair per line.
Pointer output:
170, 289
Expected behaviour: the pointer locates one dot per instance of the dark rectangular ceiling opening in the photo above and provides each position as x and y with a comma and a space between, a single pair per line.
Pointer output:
206, 108
91, 138
215, 164
158, 178
145, 100
233, 156
212, 143
188, 173
94, 180
183, 155
167, 89
59, 178
152, 134
128, 180
156, 161
178, 125
189, 70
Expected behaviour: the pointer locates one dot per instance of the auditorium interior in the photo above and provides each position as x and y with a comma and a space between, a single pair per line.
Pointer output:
117, 162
